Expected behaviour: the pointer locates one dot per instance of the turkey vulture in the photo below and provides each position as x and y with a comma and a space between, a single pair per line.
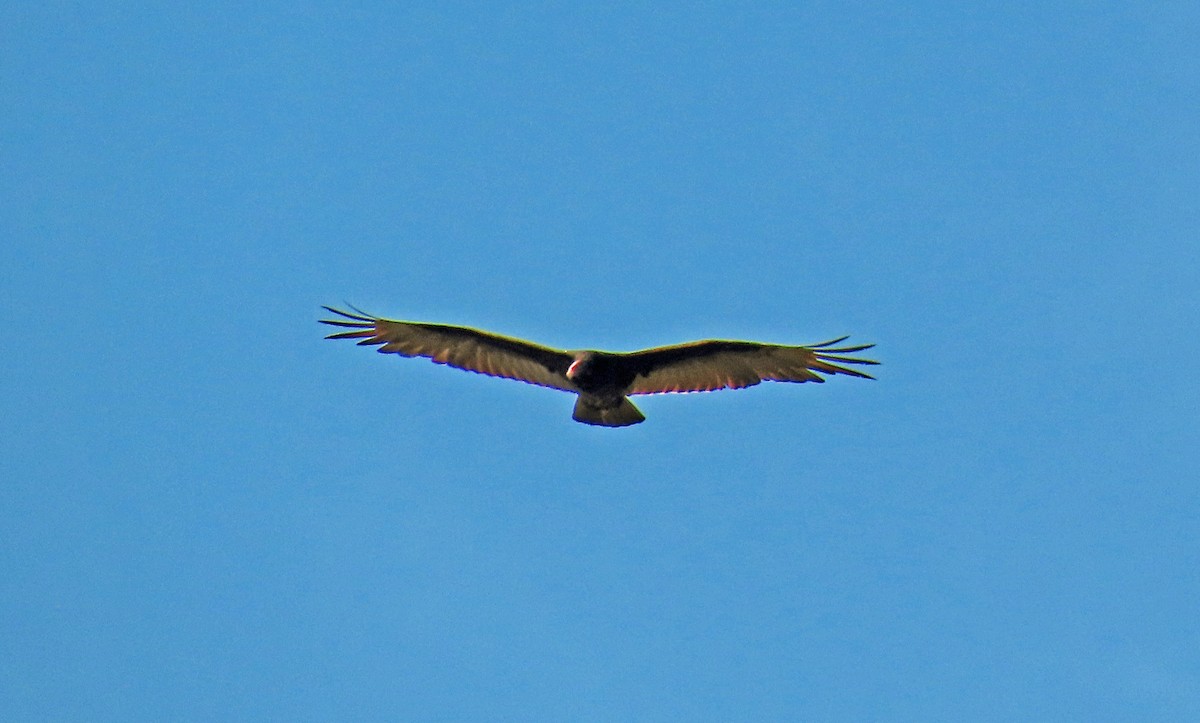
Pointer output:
603, 380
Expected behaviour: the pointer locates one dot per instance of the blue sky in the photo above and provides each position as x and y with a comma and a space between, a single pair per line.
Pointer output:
211, 513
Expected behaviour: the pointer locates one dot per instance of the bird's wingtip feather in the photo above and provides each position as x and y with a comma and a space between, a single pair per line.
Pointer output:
360, 333
831, 342
358, 315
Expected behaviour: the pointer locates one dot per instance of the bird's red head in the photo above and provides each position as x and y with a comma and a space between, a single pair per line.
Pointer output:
573, 370
581, 367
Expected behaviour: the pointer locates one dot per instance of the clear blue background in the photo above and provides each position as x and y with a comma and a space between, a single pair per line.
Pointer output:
208, 512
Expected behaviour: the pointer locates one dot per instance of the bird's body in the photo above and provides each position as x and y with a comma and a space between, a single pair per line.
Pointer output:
603, 380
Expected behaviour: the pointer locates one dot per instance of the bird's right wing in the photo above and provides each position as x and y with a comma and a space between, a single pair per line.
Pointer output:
709, 365
460, 347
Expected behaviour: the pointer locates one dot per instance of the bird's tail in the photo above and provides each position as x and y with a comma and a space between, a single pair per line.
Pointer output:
622, 415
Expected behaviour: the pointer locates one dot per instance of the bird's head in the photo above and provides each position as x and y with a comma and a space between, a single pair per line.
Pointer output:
580, 367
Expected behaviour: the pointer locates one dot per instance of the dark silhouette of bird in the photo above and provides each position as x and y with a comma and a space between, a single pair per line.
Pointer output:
603, 380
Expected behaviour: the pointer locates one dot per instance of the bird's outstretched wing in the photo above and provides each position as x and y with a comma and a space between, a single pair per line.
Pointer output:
703, 366
458, 346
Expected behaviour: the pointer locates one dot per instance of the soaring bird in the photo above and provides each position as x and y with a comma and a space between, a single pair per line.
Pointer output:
603, 380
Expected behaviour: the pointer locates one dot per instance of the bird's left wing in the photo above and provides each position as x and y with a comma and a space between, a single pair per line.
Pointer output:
709, 365
460, 347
